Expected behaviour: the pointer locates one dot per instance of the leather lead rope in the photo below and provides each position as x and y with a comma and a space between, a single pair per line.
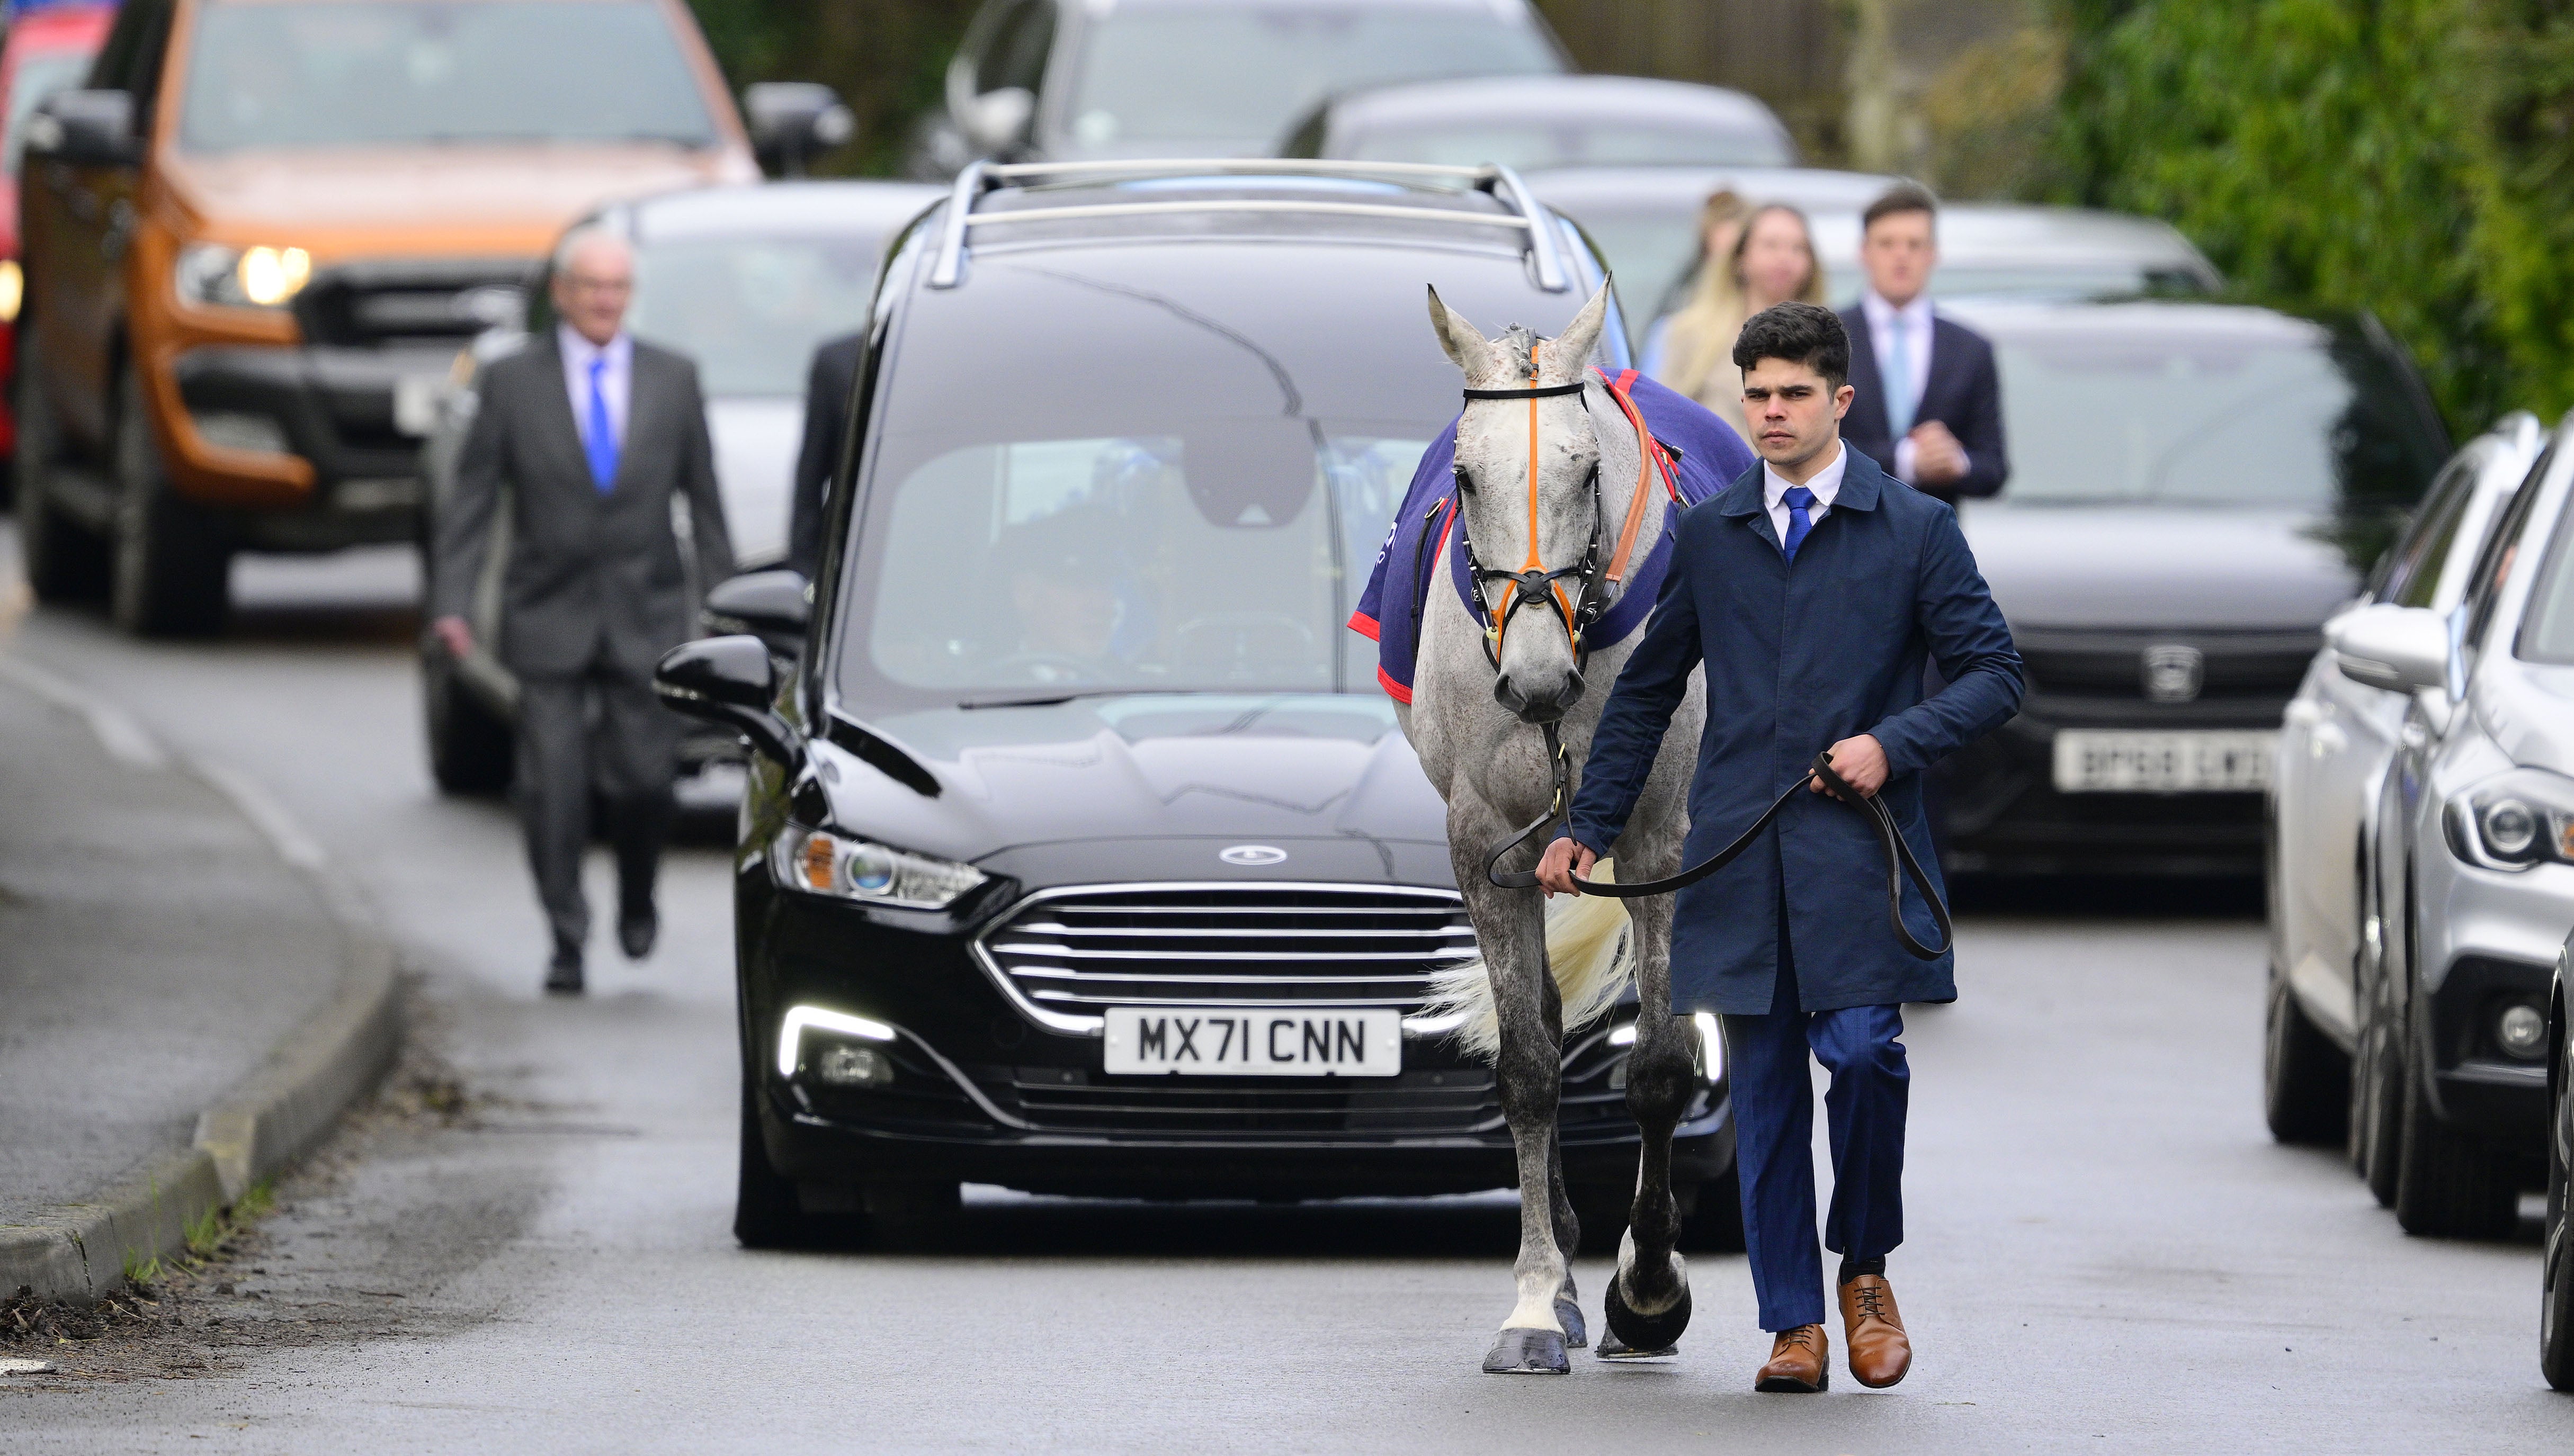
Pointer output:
1900, 862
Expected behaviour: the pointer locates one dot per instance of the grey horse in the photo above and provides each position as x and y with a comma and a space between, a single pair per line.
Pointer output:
1476, 720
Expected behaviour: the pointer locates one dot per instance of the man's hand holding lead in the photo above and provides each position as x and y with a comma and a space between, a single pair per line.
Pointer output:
1860, 761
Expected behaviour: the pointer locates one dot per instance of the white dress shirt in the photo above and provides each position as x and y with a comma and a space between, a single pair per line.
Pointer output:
617, 381
1886, 322
1826, 483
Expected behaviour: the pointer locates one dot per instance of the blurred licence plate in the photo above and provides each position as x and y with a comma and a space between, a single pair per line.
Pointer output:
1255, 1041
2093, 761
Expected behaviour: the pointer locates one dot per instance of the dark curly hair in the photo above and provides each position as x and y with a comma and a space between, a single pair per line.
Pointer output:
1806, 334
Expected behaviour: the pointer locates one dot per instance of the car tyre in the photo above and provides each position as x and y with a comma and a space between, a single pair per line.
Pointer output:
173, 562
63, 560
2305, 1078
471, 751
766, 1212
1715, 1221
2447, 1184
2556, 1268
1600, 1210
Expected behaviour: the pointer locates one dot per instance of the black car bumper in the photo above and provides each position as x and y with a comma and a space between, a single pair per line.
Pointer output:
2475, 1085
2002, 814
354, 413
978, 1092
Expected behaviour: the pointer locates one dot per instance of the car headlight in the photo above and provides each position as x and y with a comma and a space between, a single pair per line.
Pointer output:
818, 862
2513, 821
13, 289
242, 277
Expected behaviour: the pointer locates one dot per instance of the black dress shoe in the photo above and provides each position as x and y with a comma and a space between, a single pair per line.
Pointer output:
562, 978
636, 933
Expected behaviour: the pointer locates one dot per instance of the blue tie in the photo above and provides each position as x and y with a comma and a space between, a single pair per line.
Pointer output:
1898, 380
602, 436
1800, 500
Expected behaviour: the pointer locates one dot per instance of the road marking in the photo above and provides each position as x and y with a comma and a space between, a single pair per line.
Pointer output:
115, 729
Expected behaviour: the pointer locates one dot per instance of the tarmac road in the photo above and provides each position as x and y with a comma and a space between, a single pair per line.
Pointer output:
2107, 1251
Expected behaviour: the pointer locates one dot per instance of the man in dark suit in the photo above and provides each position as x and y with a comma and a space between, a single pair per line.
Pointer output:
1812, 592
589, 436
1929, 406
826, 419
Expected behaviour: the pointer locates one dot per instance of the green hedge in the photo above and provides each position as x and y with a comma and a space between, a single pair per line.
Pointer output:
2407, 157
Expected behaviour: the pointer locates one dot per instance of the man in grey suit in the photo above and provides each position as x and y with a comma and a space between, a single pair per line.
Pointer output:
590, 437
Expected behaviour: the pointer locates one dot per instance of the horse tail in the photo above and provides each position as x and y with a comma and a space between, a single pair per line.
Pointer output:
1588, 949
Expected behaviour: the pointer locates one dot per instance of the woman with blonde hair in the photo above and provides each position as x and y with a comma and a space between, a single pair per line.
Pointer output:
1772, 261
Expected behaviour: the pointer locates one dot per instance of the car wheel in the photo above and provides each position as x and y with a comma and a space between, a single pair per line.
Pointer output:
1715, 1222
1600, 1210
2376, 1104
469, 750
2447, 1184
2556, 1270
173, 562
2305, 1079
63, 561
766, 1212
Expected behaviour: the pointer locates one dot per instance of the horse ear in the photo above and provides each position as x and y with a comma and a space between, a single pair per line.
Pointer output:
1465, 345
1571, 353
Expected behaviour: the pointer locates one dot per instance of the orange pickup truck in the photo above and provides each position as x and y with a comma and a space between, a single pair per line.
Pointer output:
257, 237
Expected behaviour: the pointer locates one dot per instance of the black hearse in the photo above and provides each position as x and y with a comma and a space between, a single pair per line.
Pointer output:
1077, 780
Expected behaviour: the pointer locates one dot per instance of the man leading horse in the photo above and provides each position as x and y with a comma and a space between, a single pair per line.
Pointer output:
1812, 590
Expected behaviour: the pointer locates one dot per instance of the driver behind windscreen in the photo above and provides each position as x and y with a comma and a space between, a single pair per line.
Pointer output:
1062, 570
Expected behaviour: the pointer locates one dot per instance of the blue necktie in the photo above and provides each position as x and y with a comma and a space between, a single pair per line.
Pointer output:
602, 436
1800, 500
1898, 380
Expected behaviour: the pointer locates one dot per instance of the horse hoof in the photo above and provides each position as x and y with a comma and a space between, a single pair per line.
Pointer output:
1614, 1348
1526, 1352
1576, 1333
1640, 1335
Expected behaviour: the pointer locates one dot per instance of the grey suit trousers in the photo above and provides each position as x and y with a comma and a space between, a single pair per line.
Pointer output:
599, 733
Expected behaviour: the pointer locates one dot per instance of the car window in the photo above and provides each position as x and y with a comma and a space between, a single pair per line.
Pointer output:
133, 42
322, 73
2402, 578
2501, 552
1239, 75
2547, 628
750, 311
1016, 54
1533, 145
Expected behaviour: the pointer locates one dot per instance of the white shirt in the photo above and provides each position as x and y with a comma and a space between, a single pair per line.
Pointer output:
1912, 323
617, 381
1827, 484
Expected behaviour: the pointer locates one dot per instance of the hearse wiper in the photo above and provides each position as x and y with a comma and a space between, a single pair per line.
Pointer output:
1048, 700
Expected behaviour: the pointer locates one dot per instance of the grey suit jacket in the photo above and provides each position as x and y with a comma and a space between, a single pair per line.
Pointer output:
593, 578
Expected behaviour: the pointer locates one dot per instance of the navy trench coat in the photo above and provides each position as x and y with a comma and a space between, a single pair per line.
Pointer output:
1798, 658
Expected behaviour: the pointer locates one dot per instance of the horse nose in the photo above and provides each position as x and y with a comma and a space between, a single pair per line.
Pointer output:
1548, 706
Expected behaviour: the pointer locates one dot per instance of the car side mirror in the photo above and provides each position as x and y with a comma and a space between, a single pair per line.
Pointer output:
775, 606
727, 681
998, 120
85, 129
793, 121
2399, 649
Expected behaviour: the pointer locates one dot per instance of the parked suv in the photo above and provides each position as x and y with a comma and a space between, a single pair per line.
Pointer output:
255, 239
2337, 738
1078, 79
49, 49
1077, 750
2475, 872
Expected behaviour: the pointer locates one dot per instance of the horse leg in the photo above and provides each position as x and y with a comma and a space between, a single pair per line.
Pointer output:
1648, 1301
1529, 1074
1568, 1232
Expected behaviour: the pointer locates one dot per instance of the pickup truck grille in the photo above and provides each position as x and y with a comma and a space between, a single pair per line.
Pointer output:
428, 299
1078, 952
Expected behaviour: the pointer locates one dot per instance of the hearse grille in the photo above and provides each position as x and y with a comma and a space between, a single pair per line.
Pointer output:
2111, 665
1077, 953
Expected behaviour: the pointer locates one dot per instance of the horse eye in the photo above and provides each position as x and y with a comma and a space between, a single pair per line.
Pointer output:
1464, 482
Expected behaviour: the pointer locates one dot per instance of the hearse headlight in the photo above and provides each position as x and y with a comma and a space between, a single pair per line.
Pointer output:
2513, 821
242, 277
819, 862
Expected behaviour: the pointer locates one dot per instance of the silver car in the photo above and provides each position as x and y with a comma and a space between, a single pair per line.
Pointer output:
2473, 871
2335, 742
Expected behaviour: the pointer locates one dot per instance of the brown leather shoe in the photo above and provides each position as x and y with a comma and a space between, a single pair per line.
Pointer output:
1799, 1363
1879, 1351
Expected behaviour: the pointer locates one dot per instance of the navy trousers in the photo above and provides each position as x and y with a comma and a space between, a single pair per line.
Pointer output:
1774, 1120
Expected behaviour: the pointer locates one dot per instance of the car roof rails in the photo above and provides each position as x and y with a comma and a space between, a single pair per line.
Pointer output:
1501, 182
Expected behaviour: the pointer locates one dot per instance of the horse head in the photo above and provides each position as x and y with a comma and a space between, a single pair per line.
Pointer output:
1528, 499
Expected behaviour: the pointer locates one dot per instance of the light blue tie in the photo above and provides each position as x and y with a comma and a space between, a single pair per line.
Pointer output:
601, 446
1899, 379
1800, 500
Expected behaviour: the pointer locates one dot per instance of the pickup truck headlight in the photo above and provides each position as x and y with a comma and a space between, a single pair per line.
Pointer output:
818, 862
2513, 821
242, 277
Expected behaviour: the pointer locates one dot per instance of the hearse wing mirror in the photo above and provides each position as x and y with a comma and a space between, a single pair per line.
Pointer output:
85, 129
2398, 648
997, 121
728, 681
793, 121
775, 606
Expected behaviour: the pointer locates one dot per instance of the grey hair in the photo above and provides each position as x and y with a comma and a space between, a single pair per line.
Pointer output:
581, 236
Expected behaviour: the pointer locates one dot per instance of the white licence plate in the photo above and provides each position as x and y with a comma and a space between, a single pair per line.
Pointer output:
2169, 761
1254, 1042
